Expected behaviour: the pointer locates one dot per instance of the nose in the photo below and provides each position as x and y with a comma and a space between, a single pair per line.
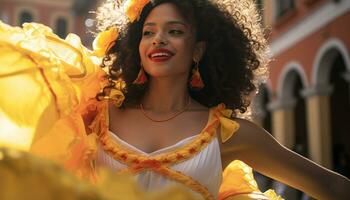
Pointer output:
159, 39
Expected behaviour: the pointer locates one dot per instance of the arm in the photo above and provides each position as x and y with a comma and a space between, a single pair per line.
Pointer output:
256, 147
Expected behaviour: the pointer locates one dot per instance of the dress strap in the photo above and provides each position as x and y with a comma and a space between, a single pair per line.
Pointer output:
227, 125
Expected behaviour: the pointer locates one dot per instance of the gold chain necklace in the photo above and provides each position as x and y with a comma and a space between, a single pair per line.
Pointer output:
167, 119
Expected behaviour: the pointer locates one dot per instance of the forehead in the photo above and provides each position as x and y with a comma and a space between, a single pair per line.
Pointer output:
165, 12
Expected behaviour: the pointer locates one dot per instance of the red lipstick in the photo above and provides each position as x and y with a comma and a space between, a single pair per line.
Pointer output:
160, 55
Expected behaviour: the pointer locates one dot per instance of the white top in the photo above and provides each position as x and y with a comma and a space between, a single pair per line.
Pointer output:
205, 167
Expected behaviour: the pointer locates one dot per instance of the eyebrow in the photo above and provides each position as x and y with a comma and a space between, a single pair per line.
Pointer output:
169, 22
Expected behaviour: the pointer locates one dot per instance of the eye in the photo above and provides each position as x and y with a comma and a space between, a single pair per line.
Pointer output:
176, 32
145, 33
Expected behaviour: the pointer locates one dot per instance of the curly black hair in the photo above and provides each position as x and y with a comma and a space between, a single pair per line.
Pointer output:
235, 49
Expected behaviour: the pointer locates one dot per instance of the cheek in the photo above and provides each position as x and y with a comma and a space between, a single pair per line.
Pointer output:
142, 49
186, 48
144, 46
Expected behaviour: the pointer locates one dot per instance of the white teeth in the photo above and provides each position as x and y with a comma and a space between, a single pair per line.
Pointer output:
159, 55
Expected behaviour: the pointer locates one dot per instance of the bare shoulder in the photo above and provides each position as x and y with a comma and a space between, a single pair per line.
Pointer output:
249, 135
241, 142
246, 126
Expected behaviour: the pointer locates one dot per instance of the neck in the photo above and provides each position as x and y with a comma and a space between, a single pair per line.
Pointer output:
166, 94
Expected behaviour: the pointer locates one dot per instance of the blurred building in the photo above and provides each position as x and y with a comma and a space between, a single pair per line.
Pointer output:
306, 102
64, 16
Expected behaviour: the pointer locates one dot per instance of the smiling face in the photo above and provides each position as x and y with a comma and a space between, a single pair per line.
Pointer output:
168, 45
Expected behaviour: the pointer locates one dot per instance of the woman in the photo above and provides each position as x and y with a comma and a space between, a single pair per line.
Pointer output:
164, 49
186, 69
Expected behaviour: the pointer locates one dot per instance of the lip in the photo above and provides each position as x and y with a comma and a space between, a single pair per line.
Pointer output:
160, 59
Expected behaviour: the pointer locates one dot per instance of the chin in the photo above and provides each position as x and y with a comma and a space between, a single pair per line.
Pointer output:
159, 71
161, 75
167, 74
164, 70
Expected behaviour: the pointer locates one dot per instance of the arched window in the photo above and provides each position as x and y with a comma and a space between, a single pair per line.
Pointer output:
61, 27
25, 16
283, 6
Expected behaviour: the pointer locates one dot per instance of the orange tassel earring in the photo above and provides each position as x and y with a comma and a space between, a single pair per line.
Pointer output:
196, 81
141, 77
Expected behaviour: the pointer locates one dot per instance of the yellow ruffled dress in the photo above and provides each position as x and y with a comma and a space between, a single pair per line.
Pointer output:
49, 84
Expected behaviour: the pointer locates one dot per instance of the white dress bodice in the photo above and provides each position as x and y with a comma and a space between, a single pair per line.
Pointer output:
204, 167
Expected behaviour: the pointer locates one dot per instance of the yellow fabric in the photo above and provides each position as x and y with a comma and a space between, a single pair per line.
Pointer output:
104, 41
46, 83
239, 184
250, 196
27, 82
23, 176
243, 183
271, 194
48, 87
227, 126
134, 8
